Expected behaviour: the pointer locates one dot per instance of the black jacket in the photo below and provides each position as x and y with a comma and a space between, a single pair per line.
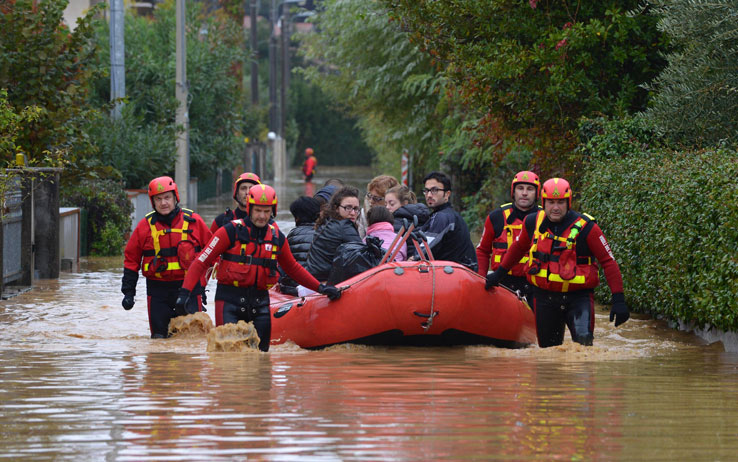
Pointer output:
407, 212
300, 238
228, 216
327, 239
455, 244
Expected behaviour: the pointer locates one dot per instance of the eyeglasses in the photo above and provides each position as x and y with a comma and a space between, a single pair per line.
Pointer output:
350, 209
432, 190
374, 198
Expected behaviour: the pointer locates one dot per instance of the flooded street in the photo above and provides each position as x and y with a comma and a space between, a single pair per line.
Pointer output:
82, 380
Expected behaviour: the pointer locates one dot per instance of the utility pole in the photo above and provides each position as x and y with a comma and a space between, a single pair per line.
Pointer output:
254, 55
182, 166
285, 69
117, 57
273, 119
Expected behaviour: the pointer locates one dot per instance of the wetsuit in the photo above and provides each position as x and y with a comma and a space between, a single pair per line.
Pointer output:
562, 268
163, 247
248, 269
308, 167
225, 217
501, 228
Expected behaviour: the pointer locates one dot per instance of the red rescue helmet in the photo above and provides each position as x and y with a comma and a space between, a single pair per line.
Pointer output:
526, 177
161, 185
556, 188
308, 152
262, 194
246, 176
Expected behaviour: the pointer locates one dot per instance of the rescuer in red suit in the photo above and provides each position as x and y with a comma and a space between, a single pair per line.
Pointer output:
562, 246
502, 227
163, 246
250, 249
308, 167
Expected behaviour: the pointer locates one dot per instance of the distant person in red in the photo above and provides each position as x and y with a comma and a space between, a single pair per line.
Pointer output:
308, 167
250, 249
563, 248
241, 187
163, 246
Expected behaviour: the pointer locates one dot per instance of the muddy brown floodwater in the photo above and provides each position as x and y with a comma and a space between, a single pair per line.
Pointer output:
81, 380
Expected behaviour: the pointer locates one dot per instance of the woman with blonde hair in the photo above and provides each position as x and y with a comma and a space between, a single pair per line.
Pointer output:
403, 204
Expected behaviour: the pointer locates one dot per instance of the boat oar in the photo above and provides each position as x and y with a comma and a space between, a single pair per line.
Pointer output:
392, 246
396, 250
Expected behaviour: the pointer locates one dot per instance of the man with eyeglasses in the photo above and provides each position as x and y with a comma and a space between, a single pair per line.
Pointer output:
451, 239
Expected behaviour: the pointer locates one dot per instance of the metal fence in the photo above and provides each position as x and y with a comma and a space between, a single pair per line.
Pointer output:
12, 223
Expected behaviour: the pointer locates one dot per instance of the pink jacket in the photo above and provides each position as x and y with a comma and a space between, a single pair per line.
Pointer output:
386, 232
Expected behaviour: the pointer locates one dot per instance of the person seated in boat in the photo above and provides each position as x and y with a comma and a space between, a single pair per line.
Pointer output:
163, 246
250, 247
305, 210
562, 246
404, 205
380, 223
241, 187
375, 191
329, 188
336, 225
445, 227
503, 226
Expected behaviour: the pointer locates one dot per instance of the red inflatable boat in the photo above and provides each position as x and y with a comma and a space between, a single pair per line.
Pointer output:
427, 302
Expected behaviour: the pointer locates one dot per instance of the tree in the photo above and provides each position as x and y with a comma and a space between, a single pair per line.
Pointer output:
45, 66
364, 62
531, 69
217, 107
695, 94
328, 130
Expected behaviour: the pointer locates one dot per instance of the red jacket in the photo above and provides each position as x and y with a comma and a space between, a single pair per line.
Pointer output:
164, 252
501, 228
588, 243
309, 165
226, 240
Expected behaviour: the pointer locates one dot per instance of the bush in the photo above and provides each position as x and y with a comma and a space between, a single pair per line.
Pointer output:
109, 213
671, 221
137, 150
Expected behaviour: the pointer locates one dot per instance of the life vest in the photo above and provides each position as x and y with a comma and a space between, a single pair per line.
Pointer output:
251, 262
505, 239
174, 249
555, 264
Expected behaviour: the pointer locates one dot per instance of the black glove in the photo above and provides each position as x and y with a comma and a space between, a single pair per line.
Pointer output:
494, 278
329, 291
619, 311
127, 301
180, 306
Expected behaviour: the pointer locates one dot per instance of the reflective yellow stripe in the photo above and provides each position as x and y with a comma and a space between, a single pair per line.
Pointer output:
498, 259
536, 234
156, 233
171, 266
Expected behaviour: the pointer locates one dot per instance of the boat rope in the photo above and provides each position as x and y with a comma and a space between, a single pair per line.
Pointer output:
427, 324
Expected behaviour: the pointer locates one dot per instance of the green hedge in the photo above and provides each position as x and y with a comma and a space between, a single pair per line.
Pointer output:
108, 213
671, 219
